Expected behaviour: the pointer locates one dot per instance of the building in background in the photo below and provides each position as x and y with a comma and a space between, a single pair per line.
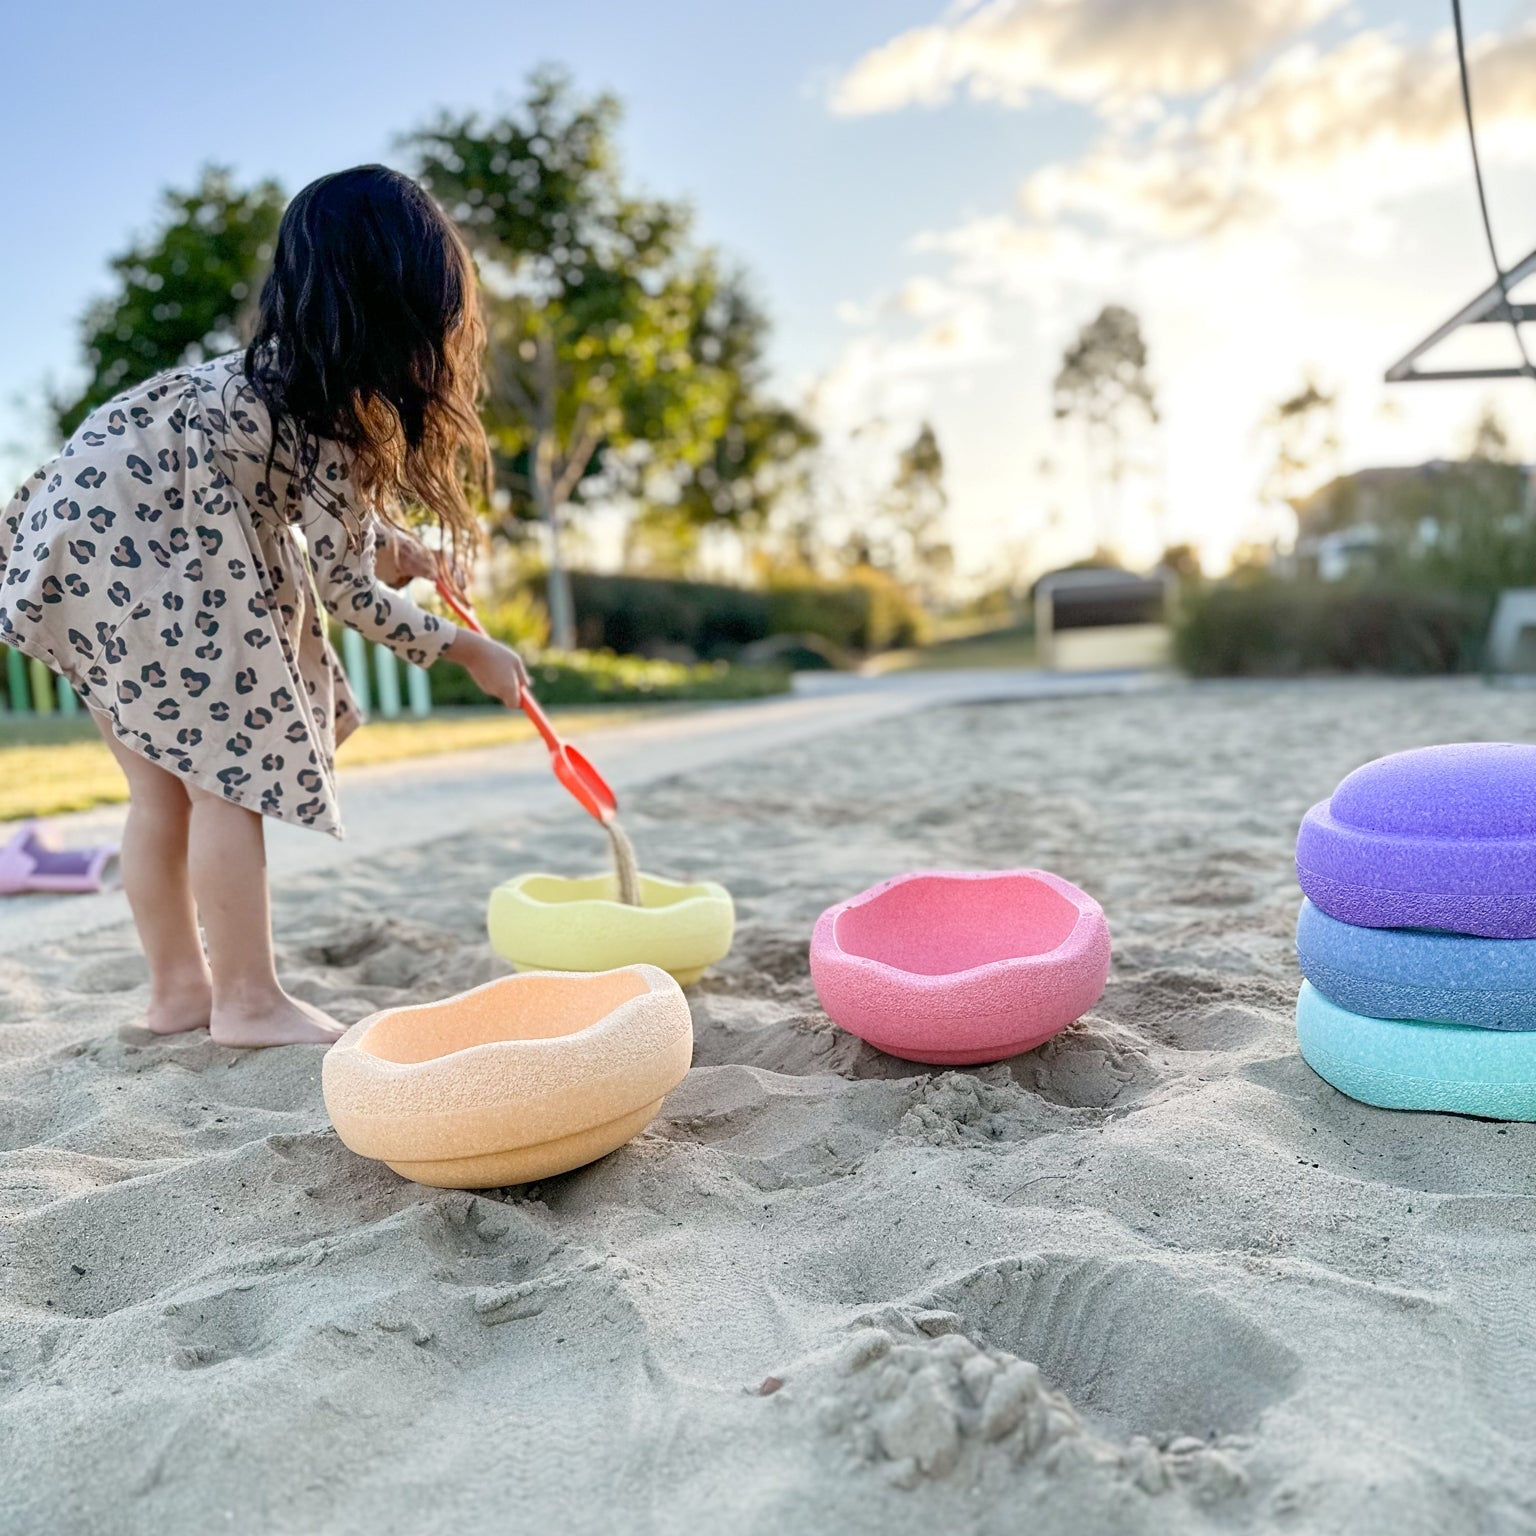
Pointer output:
1363, 523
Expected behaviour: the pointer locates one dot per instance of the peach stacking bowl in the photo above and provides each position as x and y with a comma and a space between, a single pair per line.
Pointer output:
954, 967
520, 1079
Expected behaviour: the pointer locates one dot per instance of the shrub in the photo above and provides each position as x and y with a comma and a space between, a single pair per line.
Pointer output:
896, 618
600, 677
519, 620
839, 614
866, 612
1266, 627
628, 613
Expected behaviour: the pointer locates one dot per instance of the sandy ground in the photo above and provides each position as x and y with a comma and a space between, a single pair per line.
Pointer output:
1156, 1277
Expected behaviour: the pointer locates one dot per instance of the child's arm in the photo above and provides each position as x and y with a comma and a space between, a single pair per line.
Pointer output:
349, 587
401, 558
351, 591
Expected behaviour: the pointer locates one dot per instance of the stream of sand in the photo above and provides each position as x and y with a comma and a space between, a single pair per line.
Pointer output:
626, 867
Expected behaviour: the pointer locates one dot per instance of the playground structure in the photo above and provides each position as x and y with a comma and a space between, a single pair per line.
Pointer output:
1511, 643
1494, 305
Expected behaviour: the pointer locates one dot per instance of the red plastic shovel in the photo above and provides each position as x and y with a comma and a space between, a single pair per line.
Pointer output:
571, 767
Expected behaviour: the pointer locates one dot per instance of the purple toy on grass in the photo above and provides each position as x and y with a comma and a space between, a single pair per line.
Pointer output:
31, 861
1441, 838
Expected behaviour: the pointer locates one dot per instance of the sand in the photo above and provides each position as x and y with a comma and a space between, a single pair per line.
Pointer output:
626, 863
1155, 1277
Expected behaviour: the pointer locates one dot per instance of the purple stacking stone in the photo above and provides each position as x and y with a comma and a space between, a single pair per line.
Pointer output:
1442, 838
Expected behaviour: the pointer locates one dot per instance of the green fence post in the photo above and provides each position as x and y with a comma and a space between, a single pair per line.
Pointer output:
16, 682
418, 691
42, 687
387, 678
68, 703
354, 656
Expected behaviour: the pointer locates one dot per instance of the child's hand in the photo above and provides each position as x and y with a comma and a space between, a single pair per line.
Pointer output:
400, 558
497, 668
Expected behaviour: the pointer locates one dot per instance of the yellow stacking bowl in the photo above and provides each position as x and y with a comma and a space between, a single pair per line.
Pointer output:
547, 922
520, 1079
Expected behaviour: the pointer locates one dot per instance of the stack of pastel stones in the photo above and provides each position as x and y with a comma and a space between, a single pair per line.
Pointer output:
1418, 935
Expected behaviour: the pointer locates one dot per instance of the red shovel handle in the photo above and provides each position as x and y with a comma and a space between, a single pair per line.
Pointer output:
571, 767
535, 712
459, 606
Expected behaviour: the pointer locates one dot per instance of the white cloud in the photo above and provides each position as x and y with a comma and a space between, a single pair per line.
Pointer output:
1320, 186
1318, 137
1026, 259
1081, 50
925, 330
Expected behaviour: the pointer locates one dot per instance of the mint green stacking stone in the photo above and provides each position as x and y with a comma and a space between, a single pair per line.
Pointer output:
1457, 1069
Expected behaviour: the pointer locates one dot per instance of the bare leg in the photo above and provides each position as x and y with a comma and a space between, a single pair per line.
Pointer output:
154, 865
228, 866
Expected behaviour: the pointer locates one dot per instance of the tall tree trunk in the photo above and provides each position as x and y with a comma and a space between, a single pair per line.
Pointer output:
549, 497
562, 609
1093, 468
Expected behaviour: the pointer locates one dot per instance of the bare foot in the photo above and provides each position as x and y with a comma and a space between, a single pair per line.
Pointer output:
173, 1011
275, 1019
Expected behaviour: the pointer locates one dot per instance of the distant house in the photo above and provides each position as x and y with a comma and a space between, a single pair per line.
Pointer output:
1358, 523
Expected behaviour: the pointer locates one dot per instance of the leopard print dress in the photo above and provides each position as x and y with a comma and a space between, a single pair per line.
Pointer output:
149, 563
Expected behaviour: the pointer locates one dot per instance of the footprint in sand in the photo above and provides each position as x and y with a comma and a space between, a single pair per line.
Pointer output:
1203, 1370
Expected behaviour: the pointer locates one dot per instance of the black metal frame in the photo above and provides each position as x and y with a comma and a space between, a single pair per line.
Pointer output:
1493, 305
1490, 307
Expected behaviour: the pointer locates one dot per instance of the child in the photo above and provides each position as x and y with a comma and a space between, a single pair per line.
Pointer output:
177, 559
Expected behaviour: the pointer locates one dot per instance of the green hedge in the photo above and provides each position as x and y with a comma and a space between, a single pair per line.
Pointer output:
868, 612
1273, 628
625, 614
602, 678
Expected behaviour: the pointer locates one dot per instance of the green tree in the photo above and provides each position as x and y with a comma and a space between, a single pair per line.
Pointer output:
899, 531
1301, 433
1470, 524
179, 291
1183, 561
1489, 441
1104, 383
916, 506
755, 455
596, 306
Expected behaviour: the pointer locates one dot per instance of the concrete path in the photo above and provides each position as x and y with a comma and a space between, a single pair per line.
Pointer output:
405, 804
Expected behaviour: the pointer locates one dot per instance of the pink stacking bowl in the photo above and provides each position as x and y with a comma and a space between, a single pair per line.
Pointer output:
956, 967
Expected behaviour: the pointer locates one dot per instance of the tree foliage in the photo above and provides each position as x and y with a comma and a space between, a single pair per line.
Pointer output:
1104, 382
1490, 441
920, 552
751, 462
618, 351
1302, 434
621, 355
179, 290
1183, 561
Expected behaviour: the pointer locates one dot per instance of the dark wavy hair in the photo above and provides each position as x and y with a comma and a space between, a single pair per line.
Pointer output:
368, 333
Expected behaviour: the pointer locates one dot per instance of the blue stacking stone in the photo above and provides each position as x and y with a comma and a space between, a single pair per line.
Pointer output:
1410, 973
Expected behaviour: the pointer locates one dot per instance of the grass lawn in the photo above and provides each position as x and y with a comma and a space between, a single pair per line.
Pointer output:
49, 766
1013, 646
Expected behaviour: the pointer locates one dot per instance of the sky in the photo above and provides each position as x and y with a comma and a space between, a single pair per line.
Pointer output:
929, 200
